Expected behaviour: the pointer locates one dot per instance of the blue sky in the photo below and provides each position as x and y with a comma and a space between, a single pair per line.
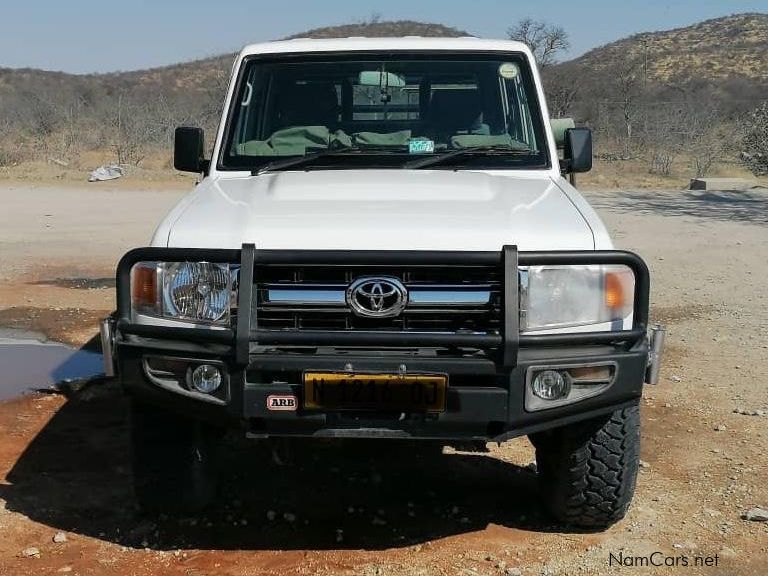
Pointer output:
108, 35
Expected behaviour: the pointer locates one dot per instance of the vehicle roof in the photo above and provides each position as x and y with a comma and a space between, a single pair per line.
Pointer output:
415, 43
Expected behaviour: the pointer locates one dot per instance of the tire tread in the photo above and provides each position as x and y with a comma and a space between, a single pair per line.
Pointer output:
588, 470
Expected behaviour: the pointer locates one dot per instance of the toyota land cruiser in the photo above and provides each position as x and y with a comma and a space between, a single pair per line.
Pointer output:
385, 244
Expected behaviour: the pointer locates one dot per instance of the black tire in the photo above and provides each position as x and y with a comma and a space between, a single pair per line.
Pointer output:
587, 471
175, 461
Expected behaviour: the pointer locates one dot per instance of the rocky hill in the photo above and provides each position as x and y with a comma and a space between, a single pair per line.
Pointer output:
724, 48
379, 29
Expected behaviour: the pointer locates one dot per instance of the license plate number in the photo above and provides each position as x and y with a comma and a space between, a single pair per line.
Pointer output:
381, 392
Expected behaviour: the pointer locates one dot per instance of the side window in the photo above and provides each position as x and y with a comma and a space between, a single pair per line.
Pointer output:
518, 111
250, 117
456, 108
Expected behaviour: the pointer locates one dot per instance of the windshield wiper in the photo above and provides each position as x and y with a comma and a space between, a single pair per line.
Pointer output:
493, 149
285, 163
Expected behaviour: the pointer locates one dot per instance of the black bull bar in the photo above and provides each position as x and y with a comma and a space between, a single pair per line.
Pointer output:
506, 342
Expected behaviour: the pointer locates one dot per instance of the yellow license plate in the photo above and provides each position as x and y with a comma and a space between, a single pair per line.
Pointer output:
375, 391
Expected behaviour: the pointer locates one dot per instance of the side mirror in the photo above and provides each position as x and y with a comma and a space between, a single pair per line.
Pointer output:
188, 146
577, 152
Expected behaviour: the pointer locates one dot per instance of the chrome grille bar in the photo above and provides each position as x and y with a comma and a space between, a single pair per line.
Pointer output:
304, 296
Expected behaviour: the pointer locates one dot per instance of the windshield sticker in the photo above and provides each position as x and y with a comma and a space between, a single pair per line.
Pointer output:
421, 146
509, 71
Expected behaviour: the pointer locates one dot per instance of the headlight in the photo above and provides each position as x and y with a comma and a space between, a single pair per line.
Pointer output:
200, 292
553, 297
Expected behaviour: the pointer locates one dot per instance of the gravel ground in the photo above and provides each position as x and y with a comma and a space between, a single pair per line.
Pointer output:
65, 499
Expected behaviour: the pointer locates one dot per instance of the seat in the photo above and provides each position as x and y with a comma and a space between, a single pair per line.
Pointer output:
315, 104
453, 112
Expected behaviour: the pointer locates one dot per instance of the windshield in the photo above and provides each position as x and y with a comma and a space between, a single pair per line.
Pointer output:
361, 111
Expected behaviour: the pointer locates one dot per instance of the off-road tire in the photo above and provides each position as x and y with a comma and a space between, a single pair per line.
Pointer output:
587, 471
175, 461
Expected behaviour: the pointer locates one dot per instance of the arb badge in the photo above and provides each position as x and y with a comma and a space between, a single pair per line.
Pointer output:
281, 403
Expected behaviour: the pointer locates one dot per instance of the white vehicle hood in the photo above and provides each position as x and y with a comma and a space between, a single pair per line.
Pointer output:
379, 210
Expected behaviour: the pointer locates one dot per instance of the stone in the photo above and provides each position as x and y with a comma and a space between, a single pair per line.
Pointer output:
721, 184
59, 538
756, 514
31, 552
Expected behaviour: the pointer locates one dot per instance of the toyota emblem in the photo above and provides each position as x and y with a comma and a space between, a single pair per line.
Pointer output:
377, 297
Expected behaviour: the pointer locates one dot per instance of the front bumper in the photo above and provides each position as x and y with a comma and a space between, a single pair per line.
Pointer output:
486, 393
485, 404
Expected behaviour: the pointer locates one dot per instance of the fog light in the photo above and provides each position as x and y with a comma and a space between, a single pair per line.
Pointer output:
206, 378
550, 385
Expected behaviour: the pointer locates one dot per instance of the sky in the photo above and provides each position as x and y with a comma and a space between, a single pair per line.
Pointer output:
83, 36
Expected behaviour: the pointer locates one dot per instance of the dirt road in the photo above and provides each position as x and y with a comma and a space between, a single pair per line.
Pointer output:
340, 511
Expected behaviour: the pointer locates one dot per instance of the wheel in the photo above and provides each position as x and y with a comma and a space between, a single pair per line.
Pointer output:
175, 460
587, 471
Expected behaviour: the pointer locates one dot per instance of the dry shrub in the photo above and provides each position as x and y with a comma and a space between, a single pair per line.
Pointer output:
754, 153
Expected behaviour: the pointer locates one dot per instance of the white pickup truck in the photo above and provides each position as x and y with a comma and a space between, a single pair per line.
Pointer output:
385, 244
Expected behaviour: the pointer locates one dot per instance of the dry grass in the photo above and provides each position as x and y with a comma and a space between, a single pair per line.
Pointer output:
635, 174
155, 171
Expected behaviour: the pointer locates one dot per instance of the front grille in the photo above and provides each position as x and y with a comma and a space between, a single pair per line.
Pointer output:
450, 299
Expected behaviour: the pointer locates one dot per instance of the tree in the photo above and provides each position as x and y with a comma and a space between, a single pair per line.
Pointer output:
709, 137
754, 152
545, 40
628, 85
563, 90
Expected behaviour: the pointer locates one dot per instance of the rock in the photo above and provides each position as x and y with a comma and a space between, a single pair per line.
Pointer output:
675, 378
31, 552
271, 515
644, 464
378, 521
722, 184
721, 428
64, 569
745, 412
102, 173
289, 517
511, 571
59, 537
756, 514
